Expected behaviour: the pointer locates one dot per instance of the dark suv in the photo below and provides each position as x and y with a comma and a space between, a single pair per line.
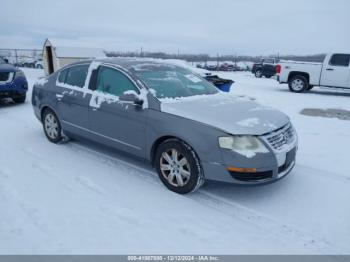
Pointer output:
13, 83
267, 68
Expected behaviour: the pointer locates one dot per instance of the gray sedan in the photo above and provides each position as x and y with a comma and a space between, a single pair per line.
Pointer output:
182, 124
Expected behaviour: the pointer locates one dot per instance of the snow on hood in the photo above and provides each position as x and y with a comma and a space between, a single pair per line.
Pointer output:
232, 114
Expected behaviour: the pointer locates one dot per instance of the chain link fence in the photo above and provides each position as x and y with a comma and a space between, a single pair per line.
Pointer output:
23, 57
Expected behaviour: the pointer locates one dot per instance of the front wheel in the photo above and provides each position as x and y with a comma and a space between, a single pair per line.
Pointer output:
178, 167
52, 126
298, 84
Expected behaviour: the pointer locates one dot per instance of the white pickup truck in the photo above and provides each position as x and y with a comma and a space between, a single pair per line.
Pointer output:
302, 76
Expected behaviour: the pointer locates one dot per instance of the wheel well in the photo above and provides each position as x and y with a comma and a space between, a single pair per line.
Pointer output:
295, 73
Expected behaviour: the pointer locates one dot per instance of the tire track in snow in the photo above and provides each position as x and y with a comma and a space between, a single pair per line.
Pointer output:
327, 174
225, 206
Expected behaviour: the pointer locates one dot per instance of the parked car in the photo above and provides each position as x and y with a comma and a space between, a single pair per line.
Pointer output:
13, 83
303, 76
211, 67
29, 62
227, 67
39, 64
267, 68
181, 123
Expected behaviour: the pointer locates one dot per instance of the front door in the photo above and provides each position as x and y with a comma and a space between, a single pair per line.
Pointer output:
337, 72
113, 122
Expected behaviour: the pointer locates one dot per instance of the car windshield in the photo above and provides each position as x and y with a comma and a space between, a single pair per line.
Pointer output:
169, 81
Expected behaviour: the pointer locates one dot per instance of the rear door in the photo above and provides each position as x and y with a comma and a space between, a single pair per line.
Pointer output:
72, 99
113, 122
337, 72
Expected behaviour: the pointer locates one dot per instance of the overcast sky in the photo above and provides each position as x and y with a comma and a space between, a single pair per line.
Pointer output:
256, 27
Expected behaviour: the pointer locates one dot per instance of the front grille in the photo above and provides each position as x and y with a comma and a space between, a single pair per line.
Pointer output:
251, 177
281, 138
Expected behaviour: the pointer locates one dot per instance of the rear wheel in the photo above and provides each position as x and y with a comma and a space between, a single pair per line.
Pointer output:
298, 84
178, 167
52, 126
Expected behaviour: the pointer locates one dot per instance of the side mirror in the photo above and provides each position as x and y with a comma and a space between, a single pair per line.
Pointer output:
132, 98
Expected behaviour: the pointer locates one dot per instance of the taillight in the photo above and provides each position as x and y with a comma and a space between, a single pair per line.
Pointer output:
278, 69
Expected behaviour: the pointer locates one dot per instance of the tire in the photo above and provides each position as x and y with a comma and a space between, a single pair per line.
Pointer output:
268, 76
52, 126
178, 167
19, 99
298, 84
258, 74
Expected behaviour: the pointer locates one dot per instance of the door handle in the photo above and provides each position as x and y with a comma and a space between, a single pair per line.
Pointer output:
330, 69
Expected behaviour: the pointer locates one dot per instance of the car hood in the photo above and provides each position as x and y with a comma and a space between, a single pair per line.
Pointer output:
7, 68
236, 115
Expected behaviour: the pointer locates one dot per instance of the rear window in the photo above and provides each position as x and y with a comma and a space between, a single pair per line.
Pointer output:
74, 76
340, 60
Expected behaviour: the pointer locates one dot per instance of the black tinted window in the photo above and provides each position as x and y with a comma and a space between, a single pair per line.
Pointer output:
113, 82
340, 60
76, 75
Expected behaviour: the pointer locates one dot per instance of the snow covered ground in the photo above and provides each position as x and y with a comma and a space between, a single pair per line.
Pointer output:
81, 198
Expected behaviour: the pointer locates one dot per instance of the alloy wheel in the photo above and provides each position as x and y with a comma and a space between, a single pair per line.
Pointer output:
297, 84
175, 168
51, 126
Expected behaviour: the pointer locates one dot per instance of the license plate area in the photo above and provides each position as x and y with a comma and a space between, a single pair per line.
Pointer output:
290, 157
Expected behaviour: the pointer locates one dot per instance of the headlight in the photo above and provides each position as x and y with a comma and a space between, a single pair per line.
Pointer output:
245, 145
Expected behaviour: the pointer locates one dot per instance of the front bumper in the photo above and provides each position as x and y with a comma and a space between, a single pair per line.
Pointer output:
13, 89
269, 167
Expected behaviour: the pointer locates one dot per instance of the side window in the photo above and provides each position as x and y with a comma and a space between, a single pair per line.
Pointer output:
76, 75
113, 82
340, 60
62, 76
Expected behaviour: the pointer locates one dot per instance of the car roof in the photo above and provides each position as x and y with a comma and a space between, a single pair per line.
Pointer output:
127, 63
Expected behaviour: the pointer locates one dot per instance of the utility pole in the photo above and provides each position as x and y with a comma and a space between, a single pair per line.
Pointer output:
16, 56
141, 52
217, 61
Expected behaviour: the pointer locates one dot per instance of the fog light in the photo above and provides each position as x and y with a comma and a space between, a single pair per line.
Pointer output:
241, 169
